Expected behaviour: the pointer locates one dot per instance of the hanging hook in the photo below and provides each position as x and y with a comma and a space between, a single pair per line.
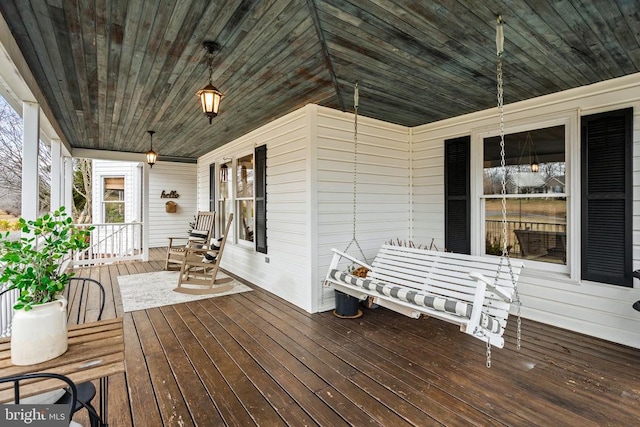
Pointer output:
355, 96
499, 35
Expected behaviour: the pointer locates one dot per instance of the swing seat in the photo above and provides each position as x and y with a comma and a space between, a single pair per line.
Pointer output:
457, 288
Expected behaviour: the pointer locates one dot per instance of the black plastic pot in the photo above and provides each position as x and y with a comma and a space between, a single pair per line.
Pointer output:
347, 306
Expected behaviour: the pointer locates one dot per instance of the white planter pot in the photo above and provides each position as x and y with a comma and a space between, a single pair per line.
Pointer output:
39, 334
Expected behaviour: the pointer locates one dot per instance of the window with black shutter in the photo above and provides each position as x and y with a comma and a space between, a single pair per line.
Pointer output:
607, 197
261, 198
457, 195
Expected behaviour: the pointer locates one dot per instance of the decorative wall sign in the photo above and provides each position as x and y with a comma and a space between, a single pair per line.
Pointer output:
173, 194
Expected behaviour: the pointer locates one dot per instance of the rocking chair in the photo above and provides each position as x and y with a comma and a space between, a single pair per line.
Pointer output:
200, 268
199, 236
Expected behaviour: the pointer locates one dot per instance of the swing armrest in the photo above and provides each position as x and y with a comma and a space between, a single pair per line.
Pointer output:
498, 290
339, 254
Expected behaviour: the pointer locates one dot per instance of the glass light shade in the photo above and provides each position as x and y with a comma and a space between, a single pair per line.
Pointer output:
152, 156
224, 173
210, 98
535, 167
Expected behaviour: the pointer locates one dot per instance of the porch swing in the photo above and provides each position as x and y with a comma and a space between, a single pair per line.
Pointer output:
452, 287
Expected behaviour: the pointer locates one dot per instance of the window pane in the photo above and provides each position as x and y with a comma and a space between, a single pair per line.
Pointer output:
244, 176
245, 225
114, 212
113, 199
534, 160
224, 208
536, 228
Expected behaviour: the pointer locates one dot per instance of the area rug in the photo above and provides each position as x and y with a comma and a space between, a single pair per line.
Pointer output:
148, 290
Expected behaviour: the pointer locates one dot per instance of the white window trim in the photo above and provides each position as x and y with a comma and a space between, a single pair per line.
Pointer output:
570, 120
235, 199
220, 223
103, 202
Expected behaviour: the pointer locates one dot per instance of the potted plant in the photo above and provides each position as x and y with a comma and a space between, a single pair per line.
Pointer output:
36, 265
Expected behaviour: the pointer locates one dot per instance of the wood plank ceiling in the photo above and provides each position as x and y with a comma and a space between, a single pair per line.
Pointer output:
113, 69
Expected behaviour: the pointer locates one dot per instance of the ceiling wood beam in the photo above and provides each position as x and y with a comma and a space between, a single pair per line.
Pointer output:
325, 51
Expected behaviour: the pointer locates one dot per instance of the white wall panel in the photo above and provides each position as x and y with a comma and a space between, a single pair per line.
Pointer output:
110, 169
383, 187
287, 272
167, 177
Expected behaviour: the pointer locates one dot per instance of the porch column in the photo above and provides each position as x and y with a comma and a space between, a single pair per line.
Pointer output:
67, 189
145, 211
57, 177
30, 151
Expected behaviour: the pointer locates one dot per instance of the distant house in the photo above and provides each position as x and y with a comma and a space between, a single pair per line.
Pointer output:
555, 184
527, 182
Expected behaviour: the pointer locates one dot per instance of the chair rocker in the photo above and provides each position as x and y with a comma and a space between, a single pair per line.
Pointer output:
200, 236
198, 274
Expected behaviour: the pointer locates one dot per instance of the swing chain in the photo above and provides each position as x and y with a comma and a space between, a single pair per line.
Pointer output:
488, 352
505, 248
355, 158
355, 173
519, 330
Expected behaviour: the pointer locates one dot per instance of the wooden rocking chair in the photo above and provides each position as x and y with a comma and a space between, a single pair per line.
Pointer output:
200, 235
198, 274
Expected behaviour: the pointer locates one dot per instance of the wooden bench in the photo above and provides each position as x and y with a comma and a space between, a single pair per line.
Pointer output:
460, 289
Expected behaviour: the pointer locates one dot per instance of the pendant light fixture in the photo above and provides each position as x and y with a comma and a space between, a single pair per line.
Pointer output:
529, 146
152, 156
210, 96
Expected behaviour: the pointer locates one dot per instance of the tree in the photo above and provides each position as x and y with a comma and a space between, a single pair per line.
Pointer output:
11, 163
82, 200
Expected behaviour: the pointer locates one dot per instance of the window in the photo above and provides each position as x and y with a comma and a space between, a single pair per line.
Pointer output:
536, 202
244, 198
113, 200
539, 197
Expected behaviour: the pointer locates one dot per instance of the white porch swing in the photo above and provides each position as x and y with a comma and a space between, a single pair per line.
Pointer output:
452, 287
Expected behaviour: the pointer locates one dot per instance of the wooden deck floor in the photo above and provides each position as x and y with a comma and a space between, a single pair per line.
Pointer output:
253, 359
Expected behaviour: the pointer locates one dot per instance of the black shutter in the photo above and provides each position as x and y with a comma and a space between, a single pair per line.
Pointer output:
457, 225
261, 198
607, 197
212, 187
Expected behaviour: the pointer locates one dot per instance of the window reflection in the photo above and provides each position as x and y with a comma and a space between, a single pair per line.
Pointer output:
536, 206
244, 197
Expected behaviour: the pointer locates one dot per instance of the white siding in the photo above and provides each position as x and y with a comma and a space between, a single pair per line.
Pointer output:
286, 269
131, 173
167, 177
560, 299
383, 187
310, 197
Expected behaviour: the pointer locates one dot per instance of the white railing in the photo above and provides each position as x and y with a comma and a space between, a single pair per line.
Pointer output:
110, 243
7, 300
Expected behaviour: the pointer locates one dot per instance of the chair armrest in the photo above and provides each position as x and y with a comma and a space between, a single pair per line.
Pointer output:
498, 290
192, 250
350, 258
171, 239
338, 255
